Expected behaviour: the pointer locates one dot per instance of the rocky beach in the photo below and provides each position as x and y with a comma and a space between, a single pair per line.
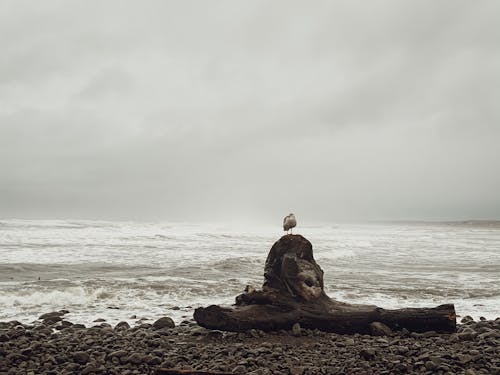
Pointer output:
53, 345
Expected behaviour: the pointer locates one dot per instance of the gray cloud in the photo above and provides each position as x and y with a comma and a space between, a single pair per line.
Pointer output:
217, 110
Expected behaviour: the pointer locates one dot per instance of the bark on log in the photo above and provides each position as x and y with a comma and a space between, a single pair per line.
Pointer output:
293, 292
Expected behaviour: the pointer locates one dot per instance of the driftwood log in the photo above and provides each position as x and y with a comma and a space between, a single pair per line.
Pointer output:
293, 292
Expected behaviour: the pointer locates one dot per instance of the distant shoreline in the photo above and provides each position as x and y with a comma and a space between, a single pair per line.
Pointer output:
453, 223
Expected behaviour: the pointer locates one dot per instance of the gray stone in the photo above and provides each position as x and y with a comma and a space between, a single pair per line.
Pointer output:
88, 369
429, 334
367, 353
135, 358
405, 332
164, 322
466, 336
154, 361
50, 315
436, 360
81, 357
402, 349
464, 358
467, 319
254, 333
349, 342
297, 370
429, 365
51, 320
122, 326
380, 329
296, 330
240, 370
118, 353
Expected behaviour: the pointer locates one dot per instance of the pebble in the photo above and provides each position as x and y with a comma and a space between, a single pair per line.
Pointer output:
81, 357
164, 322
122, 326
368, 353
138, 350
135, 358
380, 329
50, 315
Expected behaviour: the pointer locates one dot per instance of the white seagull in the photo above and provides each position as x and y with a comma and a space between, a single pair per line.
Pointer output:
289, 222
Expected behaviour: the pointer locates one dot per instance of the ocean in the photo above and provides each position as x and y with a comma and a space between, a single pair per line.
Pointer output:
131, 270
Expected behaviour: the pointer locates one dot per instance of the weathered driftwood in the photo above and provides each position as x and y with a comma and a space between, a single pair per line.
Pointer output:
293, 292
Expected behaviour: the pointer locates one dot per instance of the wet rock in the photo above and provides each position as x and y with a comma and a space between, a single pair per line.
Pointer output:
81, 357
490, 335
429, 334
217, 334
429, 365
296, 330
466, 336
122, 326
367, 354
164, 322
380, 329
89, 369
240, 370
436, 360
118, 353
98, 320
467, 319
51, 315
464, 358
135, 358
52, 320
154, 361
349, 342
297, 370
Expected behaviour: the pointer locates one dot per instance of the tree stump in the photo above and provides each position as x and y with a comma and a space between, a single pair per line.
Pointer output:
293, 292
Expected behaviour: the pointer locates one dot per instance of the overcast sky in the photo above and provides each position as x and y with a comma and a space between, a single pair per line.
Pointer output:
183, 110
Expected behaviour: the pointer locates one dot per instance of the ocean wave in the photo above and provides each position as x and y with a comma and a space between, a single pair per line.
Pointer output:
67, 297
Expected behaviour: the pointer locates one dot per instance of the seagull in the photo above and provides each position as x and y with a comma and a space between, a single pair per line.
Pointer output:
289, 222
